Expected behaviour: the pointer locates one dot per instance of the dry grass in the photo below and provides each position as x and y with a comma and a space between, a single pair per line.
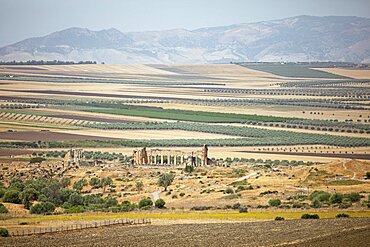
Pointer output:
354, 73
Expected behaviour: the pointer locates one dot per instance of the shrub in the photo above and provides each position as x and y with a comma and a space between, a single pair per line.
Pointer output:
182, 194
279, 218
145, 202
353, 197
316, 203
139, 186
111, 202
159, 203
189, 169
3, 209
243, 210
75, 199
75, 210
336, 198
342, 215
95, 182
200, 208
12, 196
2, 192
319, 195
4, 232
42, 208
236, 206
127, 206
229, 191
232, 196
37, 160
78, 185
310, 216
27, 196
274, 202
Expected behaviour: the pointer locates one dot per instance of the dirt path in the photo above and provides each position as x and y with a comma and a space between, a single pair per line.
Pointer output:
326, 232
156, 195
246, 177
344, 164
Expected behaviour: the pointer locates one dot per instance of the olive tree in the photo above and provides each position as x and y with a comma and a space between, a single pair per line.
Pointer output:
166, 180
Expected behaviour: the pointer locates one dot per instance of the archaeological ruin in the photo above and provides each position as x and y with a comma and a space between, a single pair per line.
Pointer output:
143, 156
73, 157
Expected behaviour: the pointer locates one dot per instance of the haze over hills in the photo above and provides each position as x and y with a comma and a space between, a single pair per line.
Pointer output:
301, 38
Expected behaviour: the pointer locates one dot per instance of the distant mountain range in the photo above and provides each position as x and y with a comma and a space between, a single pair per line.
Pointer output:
301, 38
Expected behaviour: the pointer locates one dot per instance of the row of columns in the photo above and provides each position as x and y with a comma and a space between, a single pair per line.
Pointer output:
170, 159
158, 157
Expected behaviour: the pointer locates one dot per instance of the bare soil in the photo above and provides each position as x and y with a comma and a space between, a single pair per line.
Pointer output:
324, 232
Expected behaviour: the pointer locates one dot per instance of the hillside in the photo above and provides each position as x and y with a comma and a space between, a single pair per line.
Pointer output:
301, 38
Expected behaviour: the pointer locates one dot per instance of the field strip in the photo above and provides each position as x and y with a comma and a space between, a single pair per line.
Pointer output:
354, 73
148, 134
254, 215
11, 124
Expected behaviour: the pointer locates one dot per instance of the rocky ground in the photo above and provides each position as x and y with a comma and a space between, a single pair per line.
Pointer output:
325, 232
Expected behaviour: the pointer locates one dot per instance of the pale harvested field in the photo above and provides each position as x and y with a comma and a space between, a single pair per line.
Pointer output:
135, 69
108, 89
354, 73
147, 134
235, 75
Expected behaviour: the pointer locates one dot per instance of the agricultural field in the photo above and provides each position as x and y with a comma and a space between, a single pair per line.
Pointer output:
283, 140
229, 105
313, 233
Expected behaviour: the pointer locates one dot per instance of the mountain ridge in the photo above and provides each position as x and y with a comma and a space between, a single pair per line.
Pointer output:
299, 38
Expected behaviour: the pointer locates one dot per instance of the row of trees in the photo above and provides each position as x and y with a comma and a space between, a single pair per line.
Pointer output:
333, 92
42, 62
17, 106
89, 155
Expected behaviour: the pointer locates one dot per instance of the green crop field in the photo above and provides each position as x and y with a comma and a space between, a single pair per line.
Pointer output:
182, 115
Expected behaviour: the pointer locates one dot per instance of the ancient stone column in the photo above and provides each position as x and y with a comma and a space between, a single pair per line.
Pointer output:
204, 155
162, 159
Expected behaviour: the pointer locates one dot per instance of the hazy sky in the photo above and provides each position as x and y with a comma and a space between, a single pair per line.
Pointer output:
20, 19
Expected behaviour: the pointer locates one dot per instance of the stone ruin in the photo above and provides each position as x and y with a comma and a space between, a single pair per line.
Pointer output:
143, 156
73, 157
